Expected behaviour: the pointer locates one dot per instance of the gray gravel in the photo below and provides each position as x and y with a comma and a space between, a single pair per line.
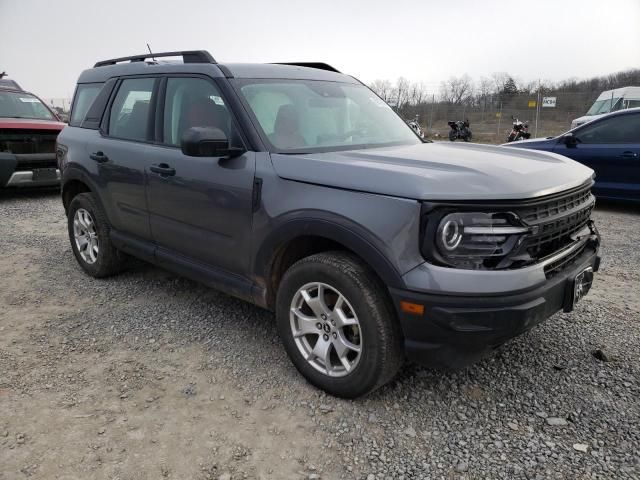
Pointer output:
541, 407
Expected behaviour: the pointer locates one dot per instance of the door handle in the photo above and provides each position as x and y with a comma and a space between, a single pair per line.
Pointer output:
163, 169
99, 157
629, 155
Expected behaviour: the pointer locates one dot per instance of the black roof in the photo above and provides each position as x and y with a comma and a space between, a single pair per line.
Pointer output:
9, 84
201, 61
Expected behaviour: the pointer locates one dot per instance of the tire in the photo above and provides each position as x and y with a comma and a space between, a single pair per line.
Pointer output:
104, 260
365, 301
452, 136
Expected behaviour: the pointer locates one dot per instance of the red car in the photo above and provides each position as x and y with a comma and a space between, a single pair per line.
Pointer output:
28, 132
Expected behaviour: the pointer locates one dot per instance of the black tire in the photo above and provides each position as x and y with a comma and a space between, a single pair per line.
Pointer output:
452, 136
109, 260
382, 351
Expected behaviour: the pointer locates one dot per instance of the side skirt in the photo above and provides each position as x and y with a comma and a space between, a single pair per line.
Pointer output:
218, 279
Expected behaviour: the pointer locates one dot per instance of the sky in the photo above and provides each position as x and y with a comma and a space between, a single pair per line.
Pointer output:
45, 44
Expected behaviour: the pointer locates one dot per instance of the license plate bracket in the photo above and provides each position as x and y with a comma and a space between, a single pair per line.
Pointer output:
580, 286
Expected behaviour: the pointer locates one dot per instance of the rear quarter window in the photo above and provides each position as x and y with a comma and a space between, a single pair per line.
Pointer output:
86, 93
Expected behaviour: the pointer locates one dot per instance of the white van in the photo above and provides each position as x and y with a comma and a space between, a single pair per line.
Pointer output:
610, 101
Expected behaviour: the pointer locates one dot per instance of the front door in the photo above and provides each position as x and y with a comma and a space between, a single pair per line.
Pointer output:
199, 207
611, 147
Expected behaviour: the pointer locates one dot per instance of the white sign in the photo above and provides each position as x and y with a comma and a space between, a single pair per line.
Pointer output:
548, 101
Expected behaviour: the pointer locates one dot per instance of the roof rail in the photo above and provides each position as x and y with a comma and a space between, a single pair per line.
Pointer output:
189, 56
318, 65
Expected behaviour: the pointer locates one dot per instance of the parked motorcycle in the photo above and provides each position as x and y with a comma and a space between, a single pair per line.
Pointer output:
415, 126
520, 131
459, 129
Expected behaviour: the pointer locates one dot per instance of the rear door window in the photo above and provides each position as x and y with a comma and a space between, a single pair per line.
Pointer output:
85, 95
130, 112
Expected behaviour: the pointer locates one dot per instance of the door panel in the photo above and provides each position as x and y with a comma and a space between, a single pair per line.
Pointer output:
121, 156
200, 207
204, 210
124, 182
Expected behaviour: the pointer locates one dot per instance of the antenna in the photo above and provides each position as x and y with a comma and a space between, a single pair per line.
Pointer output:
151, 52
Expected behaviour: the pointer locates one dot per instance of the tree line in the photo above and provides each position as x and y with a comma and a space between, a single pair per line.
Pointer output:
498, 90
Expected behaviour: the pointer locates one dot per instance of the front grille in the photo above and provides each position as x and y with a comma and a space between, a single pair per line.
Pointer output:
567, 260
27, 141
555, 222
556, 207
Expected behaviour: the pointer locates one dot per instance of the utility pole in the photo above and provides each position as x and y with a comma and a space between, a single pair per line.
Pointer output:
537, 108
433, 106
500, 118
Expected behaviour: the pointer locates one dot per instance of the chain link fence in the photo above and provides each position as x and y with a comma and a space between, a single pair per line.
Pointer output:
491, 117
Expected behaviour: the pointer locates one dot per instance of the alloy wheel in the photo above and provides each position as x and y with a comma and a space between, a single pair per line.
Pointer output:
85, 235
326, 329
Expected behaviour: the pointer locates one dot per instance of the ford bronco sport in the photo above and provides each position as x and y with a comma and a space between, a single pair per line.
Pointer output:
295, 187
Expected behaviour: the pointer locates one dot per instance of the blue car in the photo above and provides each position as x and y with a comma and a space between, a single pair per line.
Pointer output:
610, 145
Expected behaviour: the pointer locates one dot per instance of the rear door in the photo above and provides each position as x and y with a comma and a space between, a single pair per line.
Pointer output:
120, 154
611, 147
201, 208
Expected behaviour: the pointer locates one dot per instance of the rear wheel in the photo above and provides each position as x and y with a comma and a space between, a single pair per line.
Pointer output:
337, 325
89, 236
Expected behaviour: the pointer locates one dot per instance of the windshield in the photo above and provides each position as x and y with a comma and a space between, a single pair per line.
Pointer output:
603, 106
23, 105
309, 115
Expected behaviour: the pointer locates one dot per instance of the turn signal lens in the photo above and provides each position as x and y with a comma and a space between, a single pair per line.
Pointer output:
412, 308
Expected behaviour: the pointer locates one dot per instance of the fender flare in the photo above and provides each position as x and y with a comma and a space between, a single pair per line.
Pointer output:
339, 230
72, 173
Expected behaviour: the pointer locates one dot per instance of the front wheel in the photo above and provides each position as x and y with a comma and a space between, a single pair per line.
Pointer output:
337, 325
89, 236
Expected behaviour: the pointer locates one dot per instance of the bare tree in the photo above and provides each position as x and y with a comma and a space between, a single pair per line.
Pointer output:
499, 80
417, 93
457, 90
383, 88
401, 92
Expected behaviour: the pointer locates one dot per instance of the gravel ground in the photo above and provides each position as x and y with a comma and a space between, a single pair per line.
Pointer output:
147, 375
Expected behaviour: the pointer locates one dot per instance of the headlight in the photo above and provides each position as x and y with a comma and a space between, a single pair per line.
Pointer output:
477, 240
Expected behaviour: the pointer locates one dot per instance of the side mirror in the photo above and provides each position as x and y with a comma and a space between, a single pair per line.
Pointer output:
569, 140
207, 142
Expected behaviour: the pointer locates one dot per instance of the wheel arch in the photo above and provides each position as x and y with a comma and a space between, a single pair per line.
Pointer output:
300, 238
74, 182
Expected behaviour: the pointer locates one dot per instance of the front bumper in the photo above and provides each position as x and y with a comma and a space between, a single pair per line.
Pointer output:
30, 178
456, 330
28, 170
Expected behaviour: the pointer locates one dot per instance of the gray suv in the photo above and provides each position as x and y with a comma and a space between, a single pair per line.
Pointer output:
294, 187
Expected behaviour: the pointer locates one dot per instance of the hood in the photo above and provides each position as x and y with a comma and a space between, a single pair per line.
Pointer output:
438, 171
30, 123
532, 141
